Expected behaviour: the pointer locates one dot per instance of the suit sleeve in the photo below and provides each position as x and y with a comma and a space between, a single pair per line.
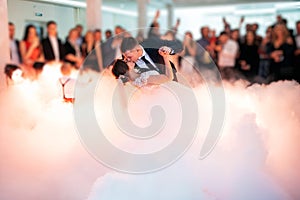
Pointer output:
156, 43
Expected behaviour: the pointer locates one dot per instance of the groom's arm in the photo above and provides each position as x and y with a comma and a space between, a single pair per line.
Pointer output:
156, 43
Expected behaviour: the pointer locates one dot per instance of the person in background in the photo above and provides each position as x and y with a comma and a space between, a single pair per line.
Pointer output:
31, 51
52, 45
98, 44
67, 83
297, 51
212, 44
88, 45
72, 49
98, 37
249, 58
119, 30
204, 45
264, 54
80, 38
258, 38
227, 50
14, 44
170, 36
204, 40
282, 53
91, 51
188, 54
108, 34
235, 35
14, 74
154, 27
248, 27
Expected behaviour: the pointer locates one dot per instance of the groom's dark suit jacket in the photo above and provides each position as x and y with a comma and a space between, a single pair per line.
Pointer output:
48, 50
151, 46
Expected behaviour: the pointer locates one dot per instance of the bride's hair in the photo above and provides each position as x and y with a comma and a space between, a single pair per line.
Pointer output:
119, 68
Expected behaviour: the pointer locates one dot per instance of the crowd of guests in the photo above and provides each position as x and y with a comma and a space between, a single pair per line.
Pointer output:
274, 56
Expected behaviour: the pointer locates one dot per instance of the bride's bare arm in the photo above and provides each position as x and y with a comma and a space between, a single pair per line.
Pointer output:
168, 76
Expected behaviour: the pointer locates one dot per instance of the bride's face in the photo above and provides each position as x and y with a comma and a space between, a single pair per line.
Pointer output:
130, 65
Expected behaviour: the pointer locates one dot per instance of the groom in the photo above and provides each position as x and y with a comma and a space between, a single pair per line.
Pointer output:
146, 57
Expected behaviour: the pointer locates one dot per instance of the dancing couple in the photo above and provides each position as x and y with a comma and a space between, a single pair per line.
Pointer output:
146, 63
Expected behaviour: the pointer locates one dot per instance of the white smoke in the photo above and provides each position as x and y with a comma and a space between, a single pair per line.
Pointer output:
255, 158
41, 154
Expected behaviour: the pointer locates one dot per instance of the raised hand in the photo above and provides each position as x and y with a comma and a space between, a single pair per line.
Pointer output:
157, 14
164, 51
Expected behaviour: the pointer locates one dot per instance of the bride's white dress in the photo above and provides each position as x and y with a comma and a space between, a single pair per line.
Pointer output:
142, 79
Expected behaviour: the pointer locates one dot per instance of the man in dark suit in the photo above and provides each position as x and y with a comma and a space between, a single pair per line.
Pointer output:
52, 46
15, 55
146, 56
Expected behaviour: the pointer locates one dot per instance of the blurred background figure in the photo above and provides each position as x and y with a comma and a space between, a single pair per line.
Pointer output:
154, 31
264, 55
258, 38
89, 43
31, 51
72, 49
188, 54
14, 74
297, 51
14, 44
67, 83
227, 50
108, 34
249, 58
80, 38
98, 37
281, 53
52, 46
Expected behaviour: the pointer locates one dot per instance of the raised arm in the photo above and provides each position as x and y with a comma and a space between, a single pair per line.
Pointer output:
175, 45
155, 19
168, 76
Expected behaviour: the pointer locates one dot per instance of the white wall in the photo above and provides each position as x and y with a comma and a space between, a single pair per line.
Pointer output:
110, 20
264, 14
21, 11
4, 41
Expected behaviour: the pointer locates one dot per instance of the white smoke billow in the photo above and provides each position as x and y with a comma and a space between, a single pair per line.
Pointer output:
256, 156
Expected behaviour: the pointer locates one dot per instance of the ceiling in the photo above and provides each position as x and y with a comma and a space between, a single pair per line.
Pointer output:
185, 3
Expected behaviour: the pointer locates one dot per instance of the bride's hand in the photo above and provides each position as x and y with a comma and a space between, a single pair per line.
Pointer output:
164, 51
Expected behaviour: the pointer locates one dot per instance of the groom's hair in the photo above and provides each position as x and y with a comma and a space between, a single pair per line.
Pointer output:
128, 43
119, 68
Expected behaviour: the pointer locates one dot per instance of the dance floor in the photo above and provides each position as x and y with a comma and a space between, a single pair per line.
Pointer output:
45, 155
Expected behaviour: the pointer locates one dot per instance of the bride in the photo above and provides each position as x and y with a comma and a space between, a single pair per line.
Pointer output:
127, 72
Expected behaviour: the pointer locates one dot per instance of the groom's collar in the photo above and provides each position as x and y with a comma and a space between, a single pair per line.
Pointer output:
144, 52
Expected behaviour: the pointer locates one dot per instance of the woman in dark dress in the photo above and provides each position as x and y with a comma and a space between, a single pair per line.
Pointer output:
72, 49
249, 57
281, 53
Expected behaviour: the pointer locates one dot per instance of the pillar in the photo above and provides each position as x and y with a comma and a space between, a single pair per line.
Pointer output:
170, 13
94, 21
142, 15
4, 41
94, 14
